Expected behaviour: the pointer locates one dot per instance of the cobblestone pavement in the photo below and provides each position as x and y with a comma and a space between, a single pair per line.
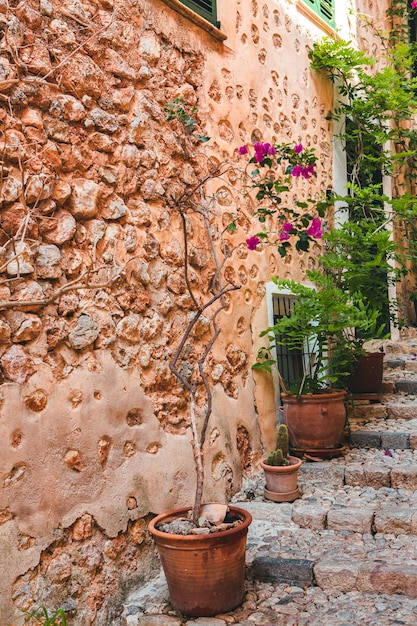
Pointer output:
350, 550
345, 552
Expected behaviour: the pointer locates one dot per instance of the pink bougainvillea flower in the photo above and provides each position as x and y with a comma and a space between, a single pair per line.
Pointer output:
301, 170
252, 242
287, 227
414, 4
243, 150
262, 150
299, 147
284, 236
297, 170
315, 230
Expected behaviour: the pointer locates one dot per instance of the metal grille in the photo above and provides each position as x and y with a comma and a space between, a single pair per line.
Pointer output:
205, 8
324, 8
289, 362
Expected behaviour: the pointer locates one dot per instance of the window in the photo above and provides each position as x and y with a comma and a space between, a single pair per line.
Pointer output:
205, 8
324, 9
292, 364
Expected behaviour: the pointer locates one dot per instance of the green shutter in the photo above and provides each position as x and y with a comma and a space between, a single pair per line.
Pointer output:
205, 8
323, 8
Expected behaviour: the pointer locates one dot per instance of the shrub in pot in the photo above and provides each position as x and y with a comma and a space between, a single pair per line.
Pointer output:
313, 405
202, 547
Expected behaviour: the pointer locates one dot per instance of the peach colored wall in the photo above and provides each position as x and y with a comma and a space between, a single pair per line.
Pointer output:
93, 428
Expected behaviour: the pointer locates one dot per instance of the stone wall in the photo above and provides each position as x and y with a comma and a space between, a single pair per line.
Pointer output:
94, 427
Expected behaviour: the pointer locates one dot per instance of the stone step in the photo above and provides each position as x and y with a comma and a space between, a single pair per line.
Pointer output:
387, 440
372, 469
343, 553
408, 387
338, 549
341, 574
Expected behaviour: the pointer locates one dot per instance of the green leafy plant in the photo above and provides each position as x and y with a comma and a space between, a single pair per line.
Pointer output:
376, 107
279, 456
41, 615
320, 330
363, 260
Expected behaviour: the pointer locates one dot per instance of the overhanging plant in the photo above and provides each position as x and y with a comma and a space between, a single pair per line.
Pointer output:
376, 107
270, 174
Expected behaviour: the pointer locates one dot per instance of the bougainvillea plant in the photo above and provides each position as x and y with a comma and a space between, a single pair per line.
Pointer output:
296, 223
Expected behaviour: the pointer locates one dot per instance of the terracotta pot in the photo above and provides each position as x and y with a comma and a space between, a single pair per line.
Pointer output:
281, 481
367, 377
205, 573
315, 421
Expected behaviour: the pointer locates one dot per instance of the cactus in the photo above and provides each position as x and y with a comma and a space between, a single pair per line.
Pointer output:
280, 455
282, 440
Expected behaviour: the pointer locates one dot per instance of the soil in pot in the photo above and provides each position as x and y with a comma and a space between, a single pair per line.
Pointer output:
205, 572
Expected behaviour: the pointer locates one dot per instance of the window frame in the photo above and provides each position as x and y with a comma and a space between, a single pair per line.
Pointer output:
182, 9
321, 8
197, 7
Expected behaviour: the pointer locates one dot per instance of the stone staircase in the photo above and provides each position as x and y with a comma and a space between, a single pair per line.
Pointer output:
345, 552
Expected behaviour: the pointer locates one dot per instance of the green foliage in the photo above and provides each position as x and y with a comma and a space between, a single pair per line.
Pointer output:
362, 259
378, 104
375, 103
338, 59
184, 113
41, 616
323, 320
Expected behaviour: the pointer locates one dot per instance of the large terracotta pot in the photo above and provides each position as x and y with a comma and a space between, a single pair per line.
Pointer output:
315, 421
367, 377
281, 481
205, 573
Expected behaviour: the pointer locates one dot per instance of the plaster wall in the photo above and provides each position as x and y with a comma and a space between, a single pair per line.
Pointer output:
94, 429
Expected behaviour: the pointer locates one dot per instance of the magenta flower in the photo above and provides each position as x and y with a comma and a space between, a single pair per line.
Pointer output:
301, 170
414, 4
262, 150
315, 230
284, 236
299, 147
243, 150
252, 242
297, 170
287, 227
310, 170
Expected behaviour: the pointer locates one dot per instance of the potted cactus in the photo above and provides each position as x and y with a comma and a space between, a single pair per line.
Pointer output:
281, 471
